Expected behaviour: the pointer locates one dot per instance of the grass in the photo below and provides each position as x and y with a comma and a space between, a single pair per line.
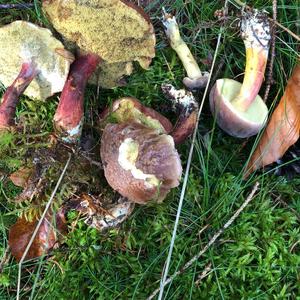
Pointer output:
258, 257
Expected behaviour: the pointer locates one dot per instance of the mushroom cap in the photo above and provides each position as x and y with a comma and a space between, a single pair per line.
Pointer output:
116, 30
128, 109
231, 120
139, 163
25, 42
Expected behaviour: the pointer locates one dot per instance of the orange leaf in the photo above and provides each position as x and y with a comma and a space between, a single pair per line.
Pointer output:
20, 178
283, 128
20, 234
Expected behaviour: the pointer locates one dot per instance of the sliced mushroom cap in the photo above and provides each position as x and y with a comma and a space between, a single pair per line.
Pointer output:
233, 121
129, 109
24, 42
139, 163
116, 30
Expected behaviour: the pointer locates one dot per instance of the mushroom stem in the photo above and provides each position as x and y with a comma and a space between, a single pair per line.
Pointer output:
195, 79
69, 115
10, 98
184, 102
255, 30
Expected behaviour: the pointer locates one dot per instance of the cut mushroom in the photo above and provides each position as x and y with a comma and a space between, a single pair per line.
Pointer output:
139, 162
116, 30
238, 108
195, 79
24, 42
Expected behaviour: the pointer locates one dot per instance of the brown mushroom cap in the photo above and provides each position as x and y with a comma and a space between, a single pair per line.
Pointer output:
231, 120
25, 42
139, 163
116, 30
128, 109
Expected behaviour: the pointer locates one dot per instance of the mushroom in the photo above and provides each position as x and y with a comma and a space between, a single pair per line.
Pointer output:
117, 30
195, 79
138, 151
129, 109
139, 162
24, 42
117, 45
238, 108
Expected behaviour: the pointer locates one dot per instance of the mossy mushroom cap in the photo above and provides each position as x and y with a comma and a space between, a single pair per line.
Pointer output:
233, 121
116, 30
23, 42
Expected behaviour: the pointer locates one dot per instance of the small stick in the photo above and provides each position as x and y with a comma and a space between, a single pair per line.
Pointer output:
210, 243
295, 36
273, 39
17, 6
5, 258
39, 225
203, 274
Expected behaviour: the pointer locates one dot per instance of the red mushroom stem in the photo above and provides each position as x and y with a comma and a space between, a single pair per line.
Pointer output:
69, 115
10, 98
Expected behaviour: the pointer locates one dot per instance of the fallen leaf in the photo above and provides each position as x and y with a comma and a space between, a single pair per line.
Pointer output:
283, 128
21, 177
21, 232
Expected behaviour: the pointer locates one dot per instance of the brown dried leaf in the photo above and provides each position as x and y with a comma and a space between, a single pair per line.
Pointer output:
20, 234
283, 129
21, 177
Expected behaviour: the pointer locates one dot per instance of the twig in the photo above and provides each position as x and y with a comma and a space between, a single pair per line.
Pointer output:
284, 204
17, 6
203, 274
4, 259
294, 35
273, 39
39, 225
211, 241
